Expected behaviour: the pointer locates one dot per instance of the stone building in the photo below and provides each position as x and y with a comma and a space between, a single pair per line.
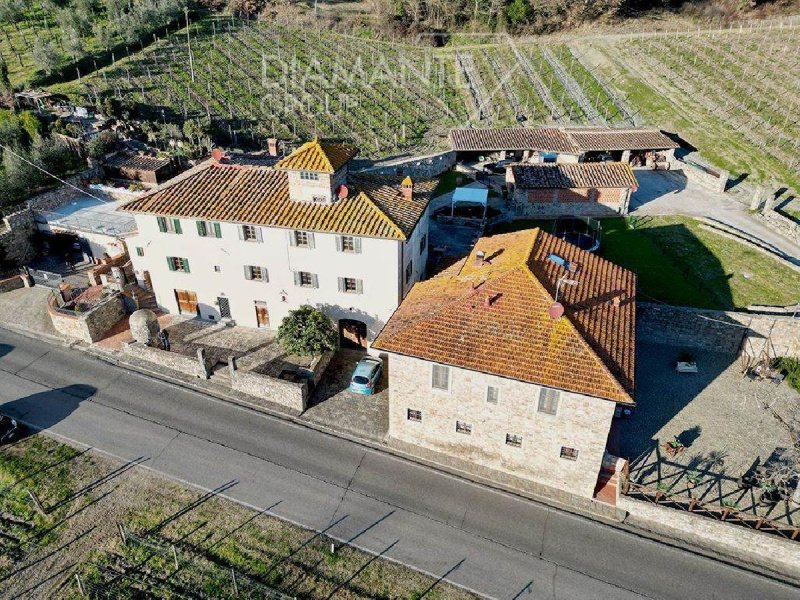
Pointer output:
581, 189
488, 372
244, 242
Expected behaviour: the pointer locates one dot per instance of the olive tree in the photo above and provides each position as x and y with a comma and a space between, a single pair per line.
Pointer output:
307, 331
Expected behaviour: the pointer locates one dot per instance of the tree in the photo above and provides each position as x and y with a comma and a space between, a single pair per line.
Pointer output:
46, 55
101, 144
307, 332
517, 13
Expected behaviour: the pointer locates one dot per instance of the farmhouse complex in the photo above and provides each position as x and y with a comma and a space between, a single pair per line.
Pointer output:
248, 243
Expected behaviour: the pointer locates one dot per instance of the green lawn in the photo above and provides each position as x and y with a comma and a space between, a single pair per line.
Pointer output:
449, 180
679, 263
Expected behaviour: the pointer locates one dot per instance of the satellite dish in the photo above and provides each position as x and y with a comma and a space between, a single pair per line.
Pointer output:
556, 310
342, 192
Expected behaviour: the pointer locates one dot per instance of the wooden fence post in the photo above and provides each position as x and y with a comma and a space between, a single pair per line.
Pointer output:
36, 502
235, 585
80, 585
175, 556
122, 534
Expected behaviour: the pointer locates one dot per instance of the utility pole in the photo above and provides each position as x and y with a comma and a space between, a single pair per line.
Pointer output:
189, 41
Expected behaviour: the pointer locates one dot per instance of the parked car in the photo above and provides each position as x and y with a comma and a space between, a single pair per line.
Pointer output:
10, 430
366, 375
500, 166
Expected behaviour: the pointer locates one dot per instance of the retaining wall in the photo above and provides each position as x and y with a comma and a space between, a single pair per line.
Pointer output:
12, 283
781, 223
710, 178
721, 331
417, 166
91, 325
188, 365
16, 230
271, 390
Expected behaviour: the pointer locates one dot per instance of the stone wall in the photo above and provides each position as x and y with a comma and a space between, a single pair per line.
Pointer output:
569, 202
188, 365
780, 223
417, 166
89, 326
581, 423
11, 283
316, 369
16, 230
271, 390
713, 179
721, 331
60, 196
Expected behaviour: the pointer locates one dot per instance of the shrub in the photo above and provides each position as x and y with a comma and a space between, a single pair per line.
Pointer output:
791, 368
307, 332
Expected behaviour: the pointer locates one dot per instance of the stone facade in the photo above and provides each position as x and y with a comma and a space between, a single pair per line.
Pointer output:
188, 365
557, 202
780, 223
721, 331
91, 325
11, 283
581, 423
16, 230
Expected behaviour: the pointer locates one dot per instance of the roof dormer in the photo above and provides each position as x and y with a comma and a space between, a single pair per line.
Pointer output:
316, 170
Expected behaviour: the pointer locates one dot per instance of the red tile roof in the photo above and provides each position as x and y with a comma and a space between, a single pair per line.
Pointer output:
566, 140
494, 317
577, 175
375, 206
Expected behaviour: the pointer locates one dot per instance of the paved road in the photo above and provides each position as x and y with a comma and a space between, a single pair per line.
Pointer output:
496, 544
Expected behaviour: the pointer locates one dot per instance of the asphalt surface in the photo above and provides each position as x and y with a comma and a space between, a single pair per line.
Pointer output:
493, 543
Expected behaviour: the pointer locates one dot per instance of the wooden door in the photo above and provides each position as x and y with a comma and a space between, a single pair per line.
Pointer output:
148, 282
262, 315
187, 302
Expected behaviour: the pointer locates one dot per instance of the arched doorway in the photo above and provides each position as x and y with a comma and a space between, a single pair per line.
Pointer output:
352, 333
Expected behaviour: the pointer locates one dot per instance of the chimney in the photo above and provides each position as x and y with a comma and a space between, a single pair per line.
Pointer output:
407, 188
272, 146
219, 155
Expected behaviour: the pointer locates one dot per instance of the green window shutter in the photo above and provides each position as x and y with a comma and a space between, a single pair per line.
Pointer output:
357, 245
162, 224
341, 284
177, 223
359, 286
297, 280
339, 244
201, 228
170, 263
185, 265
217, 230
314, 280
248, 273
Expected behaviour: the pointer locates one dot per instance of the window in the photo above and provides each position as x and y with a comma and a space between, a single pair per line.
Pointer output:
513, 440
139, 251
309, 176
301, 239
440, 377
348, 243
409, 271
306, 279
414, 415
548, 401
569, 453
166, 225
249, 233
176, 263
255, 273
351, 285
465, 428
319, 199
208, 229
217, 269
492, 394
423, 243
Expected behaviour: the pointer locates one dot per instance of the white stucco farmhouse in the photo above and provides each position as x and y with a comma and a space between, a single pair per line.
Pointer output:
249, 243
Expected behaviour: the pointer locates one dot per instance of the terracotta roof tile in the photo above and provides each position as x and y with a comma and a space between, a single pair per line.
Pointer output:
318, 156
375, 206
136, 161
605, 139
578, 175
590, 350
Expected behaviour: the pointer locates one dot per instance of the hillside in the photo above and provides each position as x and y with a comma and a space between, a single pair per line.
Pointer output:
256, 80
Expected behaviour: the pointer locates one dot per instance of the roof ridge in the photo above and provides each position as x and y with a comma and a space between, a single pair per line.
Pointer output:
596, 357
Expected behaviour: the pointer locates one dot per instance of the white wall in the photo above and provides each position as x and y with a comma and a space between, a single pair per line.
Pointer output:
378, 266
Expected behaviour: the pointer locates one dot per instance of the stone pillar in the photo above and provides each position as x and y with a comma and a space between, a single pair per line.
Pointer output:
758, 199
626, 156
723, 180
232, 366
201, 358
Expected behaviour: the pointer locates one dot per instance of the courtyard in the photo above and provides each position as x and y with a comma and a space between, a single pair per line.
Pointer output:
728, 425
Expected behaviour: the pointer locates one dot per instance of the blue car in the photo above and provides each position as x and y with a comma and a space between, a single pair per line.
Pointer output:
366, 375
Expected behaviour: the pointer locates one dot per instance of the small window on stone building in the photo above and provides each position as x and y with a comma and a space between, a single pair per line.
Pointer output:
548, 401
513, 440
569, 453
409, 271
139, 251
440, 377
462, 427
309, 176
492, 394
423, 243
414, 415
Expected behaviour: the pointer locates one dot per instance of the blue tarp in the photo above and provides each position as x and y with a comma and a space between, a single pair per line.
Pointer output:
471, 194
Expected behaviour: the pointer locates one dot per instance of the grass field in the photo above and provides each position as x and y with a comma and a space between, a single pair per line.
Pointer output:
679, 263
87, 495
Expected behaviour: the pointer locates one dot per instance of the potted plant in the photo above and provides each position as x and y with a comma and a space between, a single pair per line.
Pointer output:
693, 479
769, 493
674, 446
